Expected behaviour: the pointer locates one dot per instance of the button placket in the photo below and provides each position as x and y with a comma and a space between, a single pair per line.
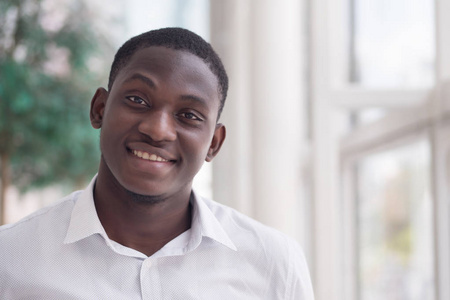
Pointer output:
150, 280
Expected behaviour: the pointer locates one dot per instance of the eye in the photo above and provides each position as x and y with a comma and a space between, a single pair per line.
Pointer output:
190, 116
137, 100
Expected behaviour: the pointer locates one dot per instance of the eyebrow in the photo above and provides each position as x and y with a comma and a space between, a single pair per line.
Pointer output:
197, 99
140, 77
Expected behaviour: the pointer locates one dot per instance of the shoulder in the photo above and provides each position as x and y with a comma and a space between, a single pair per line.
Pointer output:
247, 233
36, 226
276, 257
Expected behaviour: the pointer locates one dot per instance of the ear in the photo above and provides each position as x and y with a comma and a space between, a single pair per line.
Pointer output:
98, 104
216, 142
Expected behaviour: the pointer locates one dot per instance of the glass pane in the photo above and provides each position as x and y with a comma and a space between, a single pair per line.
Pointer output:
392, 44
143, 15
395, 240
369, 115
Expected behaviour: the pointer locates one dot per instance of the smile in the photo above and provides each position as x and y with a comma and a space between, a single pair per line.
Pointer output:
148, 156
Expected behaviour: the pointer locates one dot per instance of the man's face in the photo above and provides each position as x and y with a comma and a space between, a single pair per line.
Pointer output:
158, 121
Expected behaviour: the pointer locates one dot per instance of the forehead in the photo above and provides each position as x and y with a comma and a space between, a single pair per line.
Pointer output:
180, 68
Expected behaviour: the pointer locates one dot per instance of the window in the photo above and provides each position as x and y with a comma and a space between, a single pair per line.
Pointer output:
394, 238
382, 67
392, 43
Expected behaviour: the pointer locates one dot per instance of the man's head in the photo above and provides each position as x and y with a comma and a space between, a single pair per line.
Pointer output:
178, 39
158, 119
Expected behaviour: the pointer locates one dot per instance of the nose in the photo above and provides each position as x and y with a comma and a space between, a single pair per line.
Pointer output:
159, 126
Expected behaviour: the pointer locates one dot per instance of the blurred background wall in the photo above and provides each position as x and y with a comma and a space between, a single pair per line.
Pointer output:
337, 120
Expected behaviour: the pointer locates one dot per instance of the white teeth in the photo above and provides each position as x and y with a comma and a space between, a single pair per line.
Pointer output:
147, 156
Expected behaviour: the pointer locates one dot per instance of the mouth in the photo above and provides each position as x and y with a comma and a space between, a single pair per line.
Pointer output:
149, 156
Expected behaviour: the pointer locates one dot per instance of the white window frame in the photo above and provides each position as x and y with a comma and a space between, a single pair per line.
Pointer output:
420, 112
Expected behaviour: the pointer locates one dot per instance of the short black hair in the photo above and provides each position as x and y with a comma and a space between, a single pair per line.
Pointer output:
178, 39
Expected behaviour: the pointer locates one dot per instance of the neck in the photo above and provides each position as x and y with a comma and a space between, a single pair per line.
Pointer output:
144, 223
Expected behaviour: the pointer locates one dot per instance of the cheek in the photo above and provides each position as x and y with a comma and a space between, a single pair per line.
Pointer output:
196, 145
115, 122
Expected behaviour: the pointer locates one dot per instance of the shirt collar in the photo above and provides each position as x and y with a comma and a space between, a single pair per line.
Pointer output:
205, 224
84, 221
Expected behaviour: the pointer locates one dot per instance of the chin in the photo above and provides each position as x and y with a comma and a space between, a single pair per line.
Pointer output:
145, 199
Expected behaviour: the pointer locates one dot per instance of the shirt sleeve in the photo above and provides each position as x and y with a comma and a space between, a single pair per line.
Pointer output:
298, 285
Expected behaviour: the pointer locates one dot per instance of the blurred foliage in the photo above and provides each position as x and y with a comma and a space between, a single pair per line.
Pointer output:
46, 85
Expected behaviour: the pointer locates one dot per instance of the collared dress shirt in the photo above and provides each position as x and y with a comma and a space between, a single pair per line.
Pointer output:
63, 252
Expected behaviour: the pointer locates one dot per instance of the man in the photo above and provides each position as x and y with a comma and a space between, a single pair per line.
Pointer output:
138, 231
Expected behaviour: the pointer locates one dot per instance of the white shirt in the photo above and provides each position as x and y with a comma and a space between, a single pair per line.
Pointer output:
63, 252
